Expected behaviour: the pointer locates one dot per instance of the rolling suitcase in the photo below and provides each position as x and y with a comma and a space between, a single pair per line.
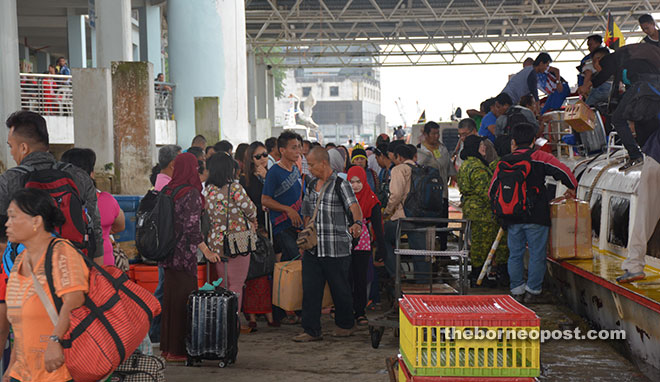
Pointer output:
213, 326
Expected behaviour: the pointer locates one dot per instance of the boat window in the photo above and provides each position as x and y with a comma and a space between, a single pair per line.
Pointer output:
653, 246
618, 221
596, 209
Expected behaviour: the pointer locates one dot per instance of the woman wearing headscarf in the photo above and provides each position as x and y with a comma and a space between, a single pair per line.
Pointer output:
337, 162
362, 252
474, 179
181, 268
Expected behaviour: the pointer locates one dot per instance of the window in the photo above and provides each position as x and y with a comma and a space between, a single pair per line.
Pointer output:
596, 209
619, 215
306, 91
334, 91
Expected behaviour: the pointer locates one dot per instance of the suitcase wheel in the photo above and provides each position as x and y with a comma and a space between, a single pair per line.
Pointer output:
222, 364
190, 361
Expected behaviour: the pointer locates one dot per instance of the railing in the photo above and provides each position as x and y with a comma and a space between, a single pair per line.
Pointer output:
47, 94
164, 100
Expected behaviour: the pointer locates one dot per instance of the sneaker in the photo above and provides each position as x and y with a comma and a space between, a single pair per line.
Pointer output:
531, 298
631, 163
304, 337
339, 332
629, 277
519, 297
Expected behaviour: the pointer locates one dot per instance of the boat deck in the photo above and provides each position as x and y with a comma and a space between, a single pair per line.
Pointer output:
605, 267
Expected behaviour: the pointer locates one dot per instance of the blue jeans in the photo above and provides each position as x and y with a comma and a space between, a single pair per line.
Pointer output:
556, 99
599, 95
154, 331
536, 238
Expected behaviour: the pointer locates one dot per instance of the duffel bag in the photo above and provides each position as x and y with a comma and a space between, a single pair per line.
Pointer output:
108, 327
140, 368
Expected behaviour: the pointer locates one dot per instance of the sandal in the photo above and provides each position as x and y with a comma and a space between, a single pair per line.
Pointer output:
362, 321
290, 320
332, 313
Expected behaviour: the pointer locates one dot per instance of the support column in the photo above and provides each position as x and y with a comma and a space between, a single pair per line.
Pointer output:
77, 41
92, 116
133, 125
150, 36
43, 60
113, 32
252, 93
207, 118
262, 91
270, 94
207, 58
9, 79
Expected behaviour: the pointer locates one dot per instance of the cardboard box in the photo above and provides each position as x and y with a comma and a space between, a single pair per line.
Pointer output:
288, 288
580, 117
570, 234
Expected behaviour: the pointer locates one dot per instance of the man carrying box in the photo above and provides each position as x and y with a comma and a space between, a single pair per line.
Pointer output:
338, 220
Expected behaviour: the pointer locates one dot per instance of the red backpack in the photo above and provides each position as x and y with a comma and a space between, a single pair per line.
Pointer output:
508, 191
61, 187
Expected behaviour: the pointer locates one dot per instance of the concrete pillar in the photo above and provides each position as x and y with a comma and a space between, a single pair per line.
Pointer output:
92, 114
150, 36
113, 32
252, 93
207, 58
207, 118
10, 94
77, 41
43, 60
92, 39
134, 125
270, 94
262, 91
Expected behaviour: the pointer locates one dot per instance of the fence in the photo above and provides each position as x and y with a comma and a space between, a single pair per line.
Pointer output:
164, 100
47, 94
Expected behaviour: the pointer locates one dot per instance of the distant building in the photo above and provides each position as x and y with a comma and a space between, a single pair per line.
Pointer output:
347, 101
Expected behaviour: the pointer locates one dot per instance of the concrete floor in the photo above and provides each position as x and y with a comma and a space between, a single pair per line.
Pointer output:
270, 355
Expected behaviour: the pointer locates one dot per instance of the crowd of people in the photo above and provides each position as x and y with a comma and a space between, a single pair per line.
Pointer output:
350, 198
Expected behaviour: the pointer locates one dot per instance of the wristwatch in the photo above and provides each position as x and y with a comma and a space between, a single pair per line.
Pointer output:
358, 222
55, 339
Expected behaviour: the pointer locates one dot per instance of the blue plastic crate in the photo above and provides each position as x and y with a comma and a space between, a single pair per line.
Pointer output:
129, 204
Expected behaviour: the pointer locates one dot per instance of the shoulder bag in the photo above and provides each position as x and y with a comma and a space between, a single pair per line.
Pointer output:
238, 243
308, 237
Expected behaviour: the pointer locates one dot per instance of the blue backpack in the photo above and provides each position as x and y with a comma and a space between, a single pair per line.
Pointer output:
425, 198
8, 257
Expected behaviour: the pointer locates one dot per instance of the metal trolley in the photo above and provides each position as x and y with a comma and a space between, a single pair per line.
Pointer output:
445, 265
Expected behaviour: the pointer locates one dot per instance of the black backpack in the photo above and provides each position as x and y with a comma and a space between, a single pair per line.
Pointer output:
514, 116
425, 197
509, 192
154, 228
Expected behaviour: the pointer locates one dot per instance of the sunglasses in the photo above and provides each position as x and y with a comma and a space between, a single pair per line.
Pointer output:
259, 156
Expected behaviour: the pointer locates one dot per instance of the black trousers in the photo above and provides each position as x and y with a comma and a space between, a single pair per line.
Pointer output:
359, 268
315, 273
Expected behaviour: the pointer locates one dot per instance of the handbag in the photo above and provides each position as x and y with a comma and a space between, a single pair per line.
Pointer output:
308, 237
238, 243
108, 327
262, 261
121, 260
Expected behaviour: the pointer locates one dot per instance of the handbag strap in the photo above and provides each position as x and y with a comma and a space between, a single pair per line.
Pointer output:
50, 308
247, 222
318, 200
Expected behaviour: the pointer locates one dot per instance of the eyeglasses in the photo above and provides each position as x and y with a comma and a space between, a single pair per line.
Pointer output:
259, 156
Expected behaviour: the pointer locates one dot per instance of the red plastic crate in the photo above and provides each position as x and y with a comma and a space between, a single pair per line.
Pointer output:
448, 310
406, 376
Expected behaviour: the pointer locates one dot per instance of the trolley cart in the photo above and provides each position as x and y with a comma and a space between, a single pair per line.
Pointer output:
456, 256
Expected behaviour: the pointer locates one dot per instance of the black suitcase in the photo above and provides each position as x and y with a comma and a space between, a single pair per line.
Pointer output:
213, 326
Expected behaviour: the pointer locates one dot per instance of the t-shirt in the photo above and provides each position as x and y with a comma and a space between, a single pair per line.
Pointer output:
488, 119
109, 210
285, 187
162, 180
651, 41
27, 314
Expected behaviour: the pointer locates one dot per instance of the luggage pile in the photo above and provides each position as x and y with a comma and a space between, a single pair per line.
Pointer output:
464, 338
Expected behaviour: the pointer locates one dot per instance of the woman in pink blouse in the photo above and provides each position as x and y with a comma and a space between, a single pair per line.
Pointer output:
230, 210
